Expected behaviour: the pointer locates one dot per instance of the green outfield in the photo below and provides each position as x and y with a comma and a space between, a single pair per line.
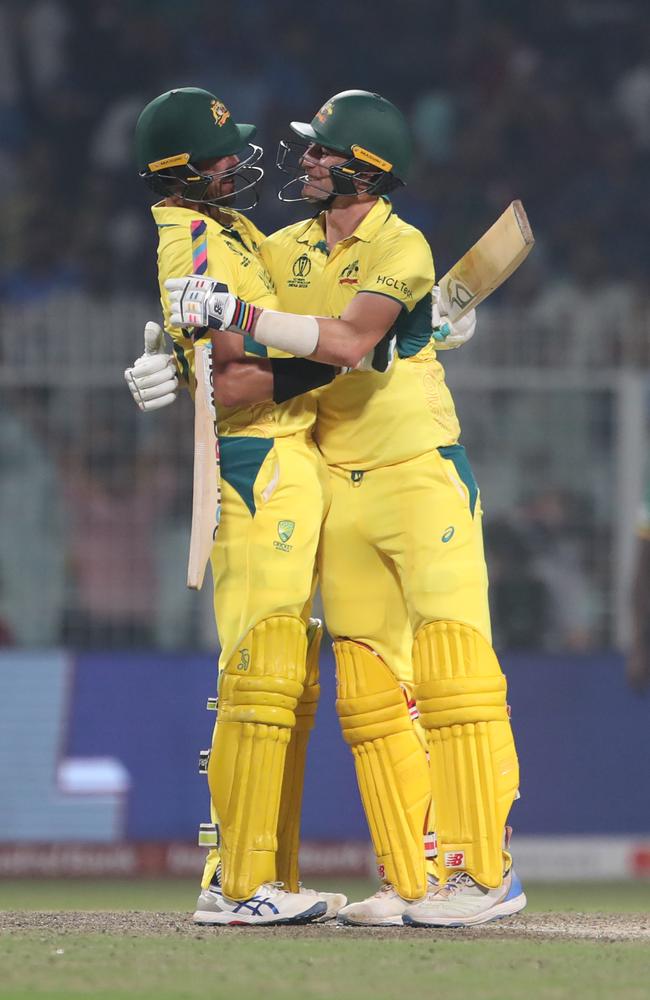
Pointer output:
145, 948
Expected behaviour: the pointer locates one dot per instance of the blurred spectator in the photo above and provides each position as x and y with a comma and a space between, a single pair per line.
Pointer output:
638, 663
583, 316
34, 536
555, 526
519, 600
116, 497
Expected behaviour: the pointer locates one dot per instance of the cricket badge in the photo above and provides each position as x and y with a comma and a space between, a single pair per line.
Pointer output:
220, 113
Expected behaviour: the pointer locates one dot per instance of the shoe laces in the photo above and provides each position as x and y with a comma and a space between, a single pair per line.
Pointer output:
384, 889
461, 880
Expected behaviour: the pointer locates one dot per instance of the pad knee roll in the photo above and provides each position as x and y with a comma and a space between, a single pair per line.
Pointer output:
390, 763
461, 695
294, 771
259, 690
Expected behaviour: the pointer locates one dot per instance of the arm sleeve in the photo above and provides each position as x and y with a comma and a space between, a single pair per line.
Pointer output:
294, 376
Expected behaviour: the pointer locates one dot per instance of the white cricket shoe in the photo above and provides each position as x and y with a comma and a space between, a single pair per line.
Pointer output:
383, 909
462, 902
334, 901
269, 905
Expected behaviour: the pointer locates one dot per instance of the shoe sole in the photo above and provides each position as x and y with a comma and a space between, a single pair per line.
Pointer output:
378, 922
506, 909
239, 920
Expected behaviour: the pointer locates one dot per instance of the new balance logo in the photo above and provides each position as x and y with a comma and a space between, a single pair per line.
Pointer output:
454, 859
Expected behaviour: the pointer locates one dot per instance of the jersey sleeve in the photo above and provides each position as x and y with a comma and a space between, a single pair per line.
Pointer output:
401, 268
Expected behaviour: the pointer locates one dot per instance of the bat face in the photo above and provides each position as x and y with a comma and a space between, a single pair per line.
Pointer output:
206, 496
491, 260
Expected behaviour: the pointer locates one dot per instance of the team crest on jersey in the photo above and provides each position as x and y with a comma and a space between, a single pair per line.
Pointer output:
285, 531
220, 113
300, 270
350, 274
325, 112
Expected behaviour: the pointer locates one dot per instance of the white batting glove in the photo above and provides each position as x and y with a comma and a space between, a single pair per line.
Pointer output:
448, 334
153, 379
200, 301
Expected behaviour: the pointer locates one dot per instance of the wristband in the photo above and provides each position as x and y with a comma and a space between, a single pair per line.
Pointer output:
244, 317
297, 335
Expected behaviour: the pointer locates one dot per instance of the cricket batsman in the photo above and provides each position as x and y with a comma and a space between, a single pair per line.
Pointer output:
275, 492
401, 563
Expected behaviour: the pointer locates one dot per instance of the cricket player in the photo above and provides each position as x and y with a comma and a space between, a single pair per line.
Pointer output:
402, 571
275, 492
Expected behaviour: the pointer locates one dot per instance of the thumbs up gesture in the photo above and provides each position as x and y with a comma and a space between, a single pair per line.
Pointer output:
153, 380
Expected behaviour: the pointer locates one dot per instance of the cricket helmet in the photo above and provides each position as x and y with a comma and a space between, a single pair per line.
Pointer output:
366, 128
184, 127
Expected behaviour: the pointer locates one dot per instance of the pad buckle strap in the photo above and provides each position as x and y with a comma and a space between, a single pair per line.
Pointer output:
209, 835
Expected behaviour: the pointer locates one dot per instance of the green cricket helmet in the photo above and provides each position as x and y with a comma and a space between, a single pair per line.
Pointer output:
184, 127
366, 128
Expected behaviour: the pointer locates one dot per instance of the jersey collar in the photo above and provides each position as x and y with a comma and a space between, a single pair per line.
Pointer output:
314, 230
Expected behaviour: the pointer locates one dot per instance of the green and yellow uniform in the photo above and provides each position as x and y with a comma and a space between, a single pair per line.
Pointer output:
405, 513
401, 564
275, 493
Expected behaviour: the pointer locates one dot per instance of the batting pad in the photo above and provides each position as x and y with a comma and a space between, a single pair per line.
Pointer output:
461, 694
294, 769
390, 762
258, 693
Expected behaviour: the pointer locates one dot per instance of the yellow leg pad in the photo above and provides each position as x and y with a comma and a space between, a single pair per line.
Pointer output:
461, 695
390, 763
294, 769
258, 692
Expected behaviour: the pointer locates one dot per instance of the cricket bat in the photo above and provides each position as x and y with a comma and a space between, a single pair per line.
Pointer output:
491, 260
206, 496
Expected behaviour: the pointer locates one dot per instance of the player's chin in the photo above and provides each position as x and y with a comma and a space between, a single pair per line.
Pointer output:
228, 199
314, 194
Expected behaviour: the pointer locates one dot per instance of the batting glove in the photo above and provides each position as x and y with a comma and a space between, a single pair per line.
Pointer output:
446, 334
201, 302
153, 380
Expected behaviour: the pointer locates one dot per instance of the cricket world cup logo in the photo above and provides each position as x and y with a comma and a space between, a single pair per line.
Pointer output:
301, 268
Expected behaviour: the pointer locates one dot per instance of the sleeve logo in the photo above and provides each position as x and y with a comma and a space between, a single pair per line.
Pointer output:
399, 286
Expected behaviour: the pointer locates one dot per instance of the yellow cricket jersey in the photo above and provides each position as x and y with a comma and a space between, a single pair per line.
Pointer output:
190, 242
367, 420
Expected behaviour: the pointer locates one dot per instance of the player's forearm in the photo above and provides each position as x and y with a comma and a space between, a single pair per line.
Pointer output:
243, 384
328, 341
277, 380
342, 342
